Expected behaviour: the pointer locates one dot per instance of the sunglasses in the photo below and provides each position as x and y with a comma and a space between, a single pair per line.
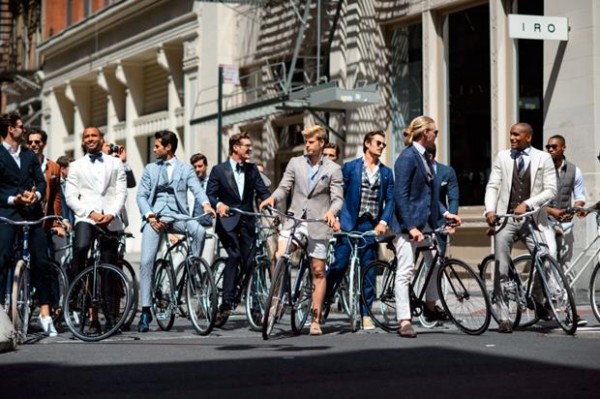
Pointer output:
36, 142
380, 144
552, 146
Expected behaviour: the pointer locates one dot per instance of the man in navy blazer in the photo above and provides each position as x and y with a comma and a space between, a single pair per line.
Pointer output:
417, 209
368, 205
22, 186
234, 183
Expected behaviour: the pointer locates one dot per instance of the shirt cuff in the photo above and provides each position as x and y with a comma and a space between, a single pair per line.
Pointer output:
11, 200
383, 222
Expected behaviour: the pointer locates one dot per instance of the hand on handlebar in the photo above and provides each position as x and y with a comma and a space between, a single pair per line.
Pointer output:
269, 202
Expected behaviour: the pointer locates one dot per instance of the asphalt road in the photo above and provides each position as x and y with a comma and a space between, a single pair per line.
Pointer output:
235, 362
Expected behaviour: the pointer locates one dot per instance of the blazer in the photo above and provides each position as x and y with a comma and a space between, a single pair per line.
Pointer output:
84, 195
327, 193
416, 198
352, 174
222, 187
52, 195
543, 183
183, 179
445, 179
15, 180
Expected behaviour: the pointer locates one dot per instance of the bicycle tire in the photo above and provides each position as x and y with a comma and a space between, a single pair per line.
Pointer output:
464, 297
275, 305
354, 297
257, 291
134, 284
20, 303
217, 270
383, 309
163, 294
201, 295
559, 295
487, 272
302, 295
528, 315
85, 298
181, 280
595, 291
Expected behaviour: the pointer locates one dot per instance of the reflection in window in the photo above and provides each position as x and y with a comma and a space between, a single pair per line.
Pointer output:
469, 101
406, 77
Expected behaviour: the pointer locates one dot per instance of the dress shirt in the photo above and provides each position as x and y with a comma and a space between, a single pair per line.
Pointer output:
239, 176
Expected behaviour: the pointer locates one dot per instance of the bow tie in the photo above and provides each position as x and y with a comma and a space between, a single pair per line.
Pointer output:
96, 157
239, 167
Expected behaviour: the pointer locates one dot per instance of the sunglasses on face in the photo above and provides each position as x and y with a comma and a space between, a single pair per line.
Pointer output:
36, 142
380, 144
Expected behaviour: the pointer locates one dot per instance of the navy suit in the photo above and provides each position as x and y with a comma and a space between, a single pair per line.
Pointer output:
447, 183
350, 221
236, 232
15, 180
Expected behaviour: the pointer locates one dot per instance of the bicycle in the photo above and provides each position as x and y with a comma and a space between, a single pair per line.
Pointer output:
461, 292
20, 294
281, 295
100, 296
519, 292
196, 278
251, 284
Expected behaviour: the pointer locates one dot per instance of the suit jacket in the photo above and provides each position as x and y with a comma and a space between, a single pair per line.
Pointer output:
352, 173
543, 183
416, 197
183, 179
15, 180
222, 187
445, 179
84, 195
327, 193
52, 195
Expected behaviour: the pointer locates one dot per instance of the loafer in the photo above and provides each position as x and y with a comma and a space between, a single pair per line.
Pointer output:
315, 329
144, 324
542, 312
223, 313
95, 328
367, 323
407, 331
437, 314
504, 327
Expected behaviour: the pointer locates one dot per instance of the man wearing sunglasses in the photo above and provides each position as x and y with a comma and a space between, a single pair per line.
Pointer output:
368, 205
570, 189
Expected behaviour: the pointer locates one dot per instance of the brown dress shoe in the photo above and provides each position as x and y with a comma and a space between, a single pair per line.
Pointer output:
504, 327
407, 331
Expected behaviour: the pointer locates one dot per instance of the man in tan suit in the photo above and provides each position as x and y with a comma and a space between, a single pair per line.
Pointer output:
317, 185
522, 179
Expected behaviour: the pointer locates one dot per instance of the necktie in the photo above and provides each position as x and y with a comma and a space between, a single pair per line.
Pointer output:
517, 155
163, 173
96, 157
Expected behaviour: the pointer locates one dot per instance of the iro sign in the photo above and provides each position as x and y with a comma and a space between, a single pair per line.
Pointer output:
538, 27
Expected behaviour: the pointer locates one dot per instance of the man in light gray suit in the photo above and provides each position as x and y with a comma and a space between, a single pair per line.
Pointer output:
522, 179
163, 191
317, 184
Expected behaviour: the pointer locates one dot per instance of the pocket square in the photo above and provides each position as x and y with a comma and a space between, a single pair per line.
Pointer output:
444, 183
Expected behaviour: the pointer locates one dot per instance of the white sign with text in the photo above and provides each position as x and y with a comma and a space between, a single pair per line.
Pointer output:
538, 27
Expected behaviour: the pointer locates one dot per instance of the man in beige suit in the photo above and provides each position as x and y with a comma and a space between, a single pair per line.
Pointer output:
522, 179
317, 186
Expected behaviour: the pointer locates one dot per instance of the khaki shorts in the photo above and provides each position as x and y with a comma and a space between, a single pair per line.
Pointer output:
317, 249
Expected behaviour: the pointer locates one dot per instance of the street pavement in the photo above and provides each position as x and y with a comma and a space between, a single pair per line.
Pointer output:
235, 362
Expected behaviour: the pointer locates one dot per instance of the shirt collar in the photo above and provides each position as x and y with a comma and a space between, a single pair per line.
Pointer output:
9, 148
419, 148
234, 164
307, 157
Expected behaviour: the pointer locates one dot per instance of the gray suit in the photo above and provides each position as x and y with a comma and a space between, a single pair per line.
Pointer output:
174, 202
327, 193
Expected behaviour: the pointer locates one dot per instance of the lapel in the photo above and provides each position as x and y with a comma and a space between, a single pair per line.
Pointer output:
533, 166
8, 160
177, 170
358, 168
420, 163
317, 179
231, 179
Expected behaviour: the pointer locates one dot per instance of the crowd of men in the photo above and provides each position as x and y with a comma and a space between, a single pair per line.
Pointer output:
417, 197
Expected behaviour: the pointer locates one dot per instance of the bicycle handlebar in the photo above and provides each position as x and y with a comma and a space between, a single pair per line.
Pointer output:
177, 218
256, 214
29, 222
292, 217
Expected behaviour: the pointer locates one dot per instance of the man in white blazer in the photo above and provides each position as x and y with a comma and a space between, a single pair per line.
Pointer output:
96, 190
522, 179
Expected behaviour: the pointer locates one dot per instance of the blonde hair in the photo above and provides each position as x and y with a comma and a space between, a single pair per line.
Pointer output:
315, 131
415, 129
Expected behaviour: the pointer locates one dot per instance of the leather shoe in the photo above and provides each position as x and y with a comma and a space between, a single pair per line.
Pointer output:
144, 324
504, 327
437, 314
407, 331
223, 313
542, 312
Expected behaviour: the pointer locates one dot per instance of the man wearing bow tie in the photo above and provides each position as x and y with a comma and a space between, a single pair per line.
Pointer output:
234, 183
95, 190
522, 179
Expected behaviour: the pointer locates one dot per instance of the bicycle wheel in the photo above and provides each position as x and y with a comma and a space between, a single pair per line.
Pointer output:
201, 295
418, 287
487, 273
163, 294
354, 296
275, 305
181, 279
20, 303
127, 269
595, 291
218, 267
528, 316
559, 296
257, 291
464, 297
383, 309
59, 285
302, 295
97, 302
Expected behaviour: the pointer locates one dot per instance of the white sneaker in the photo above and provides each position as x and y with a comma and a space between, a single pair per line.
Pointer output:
367, 324
47, 326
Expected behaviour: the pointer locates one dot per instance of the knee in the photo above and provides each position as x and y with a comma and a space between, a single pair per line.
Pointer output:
319, 272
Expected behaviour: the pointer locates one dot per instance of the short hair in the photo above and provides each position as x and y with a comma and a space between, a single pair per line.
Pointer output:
526, 126
315, 131
560, 138
40, 132
8, 120
335, 147
100, 132
414, 131
369, 136
167, 137
198, 157
63, 161
236, 139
